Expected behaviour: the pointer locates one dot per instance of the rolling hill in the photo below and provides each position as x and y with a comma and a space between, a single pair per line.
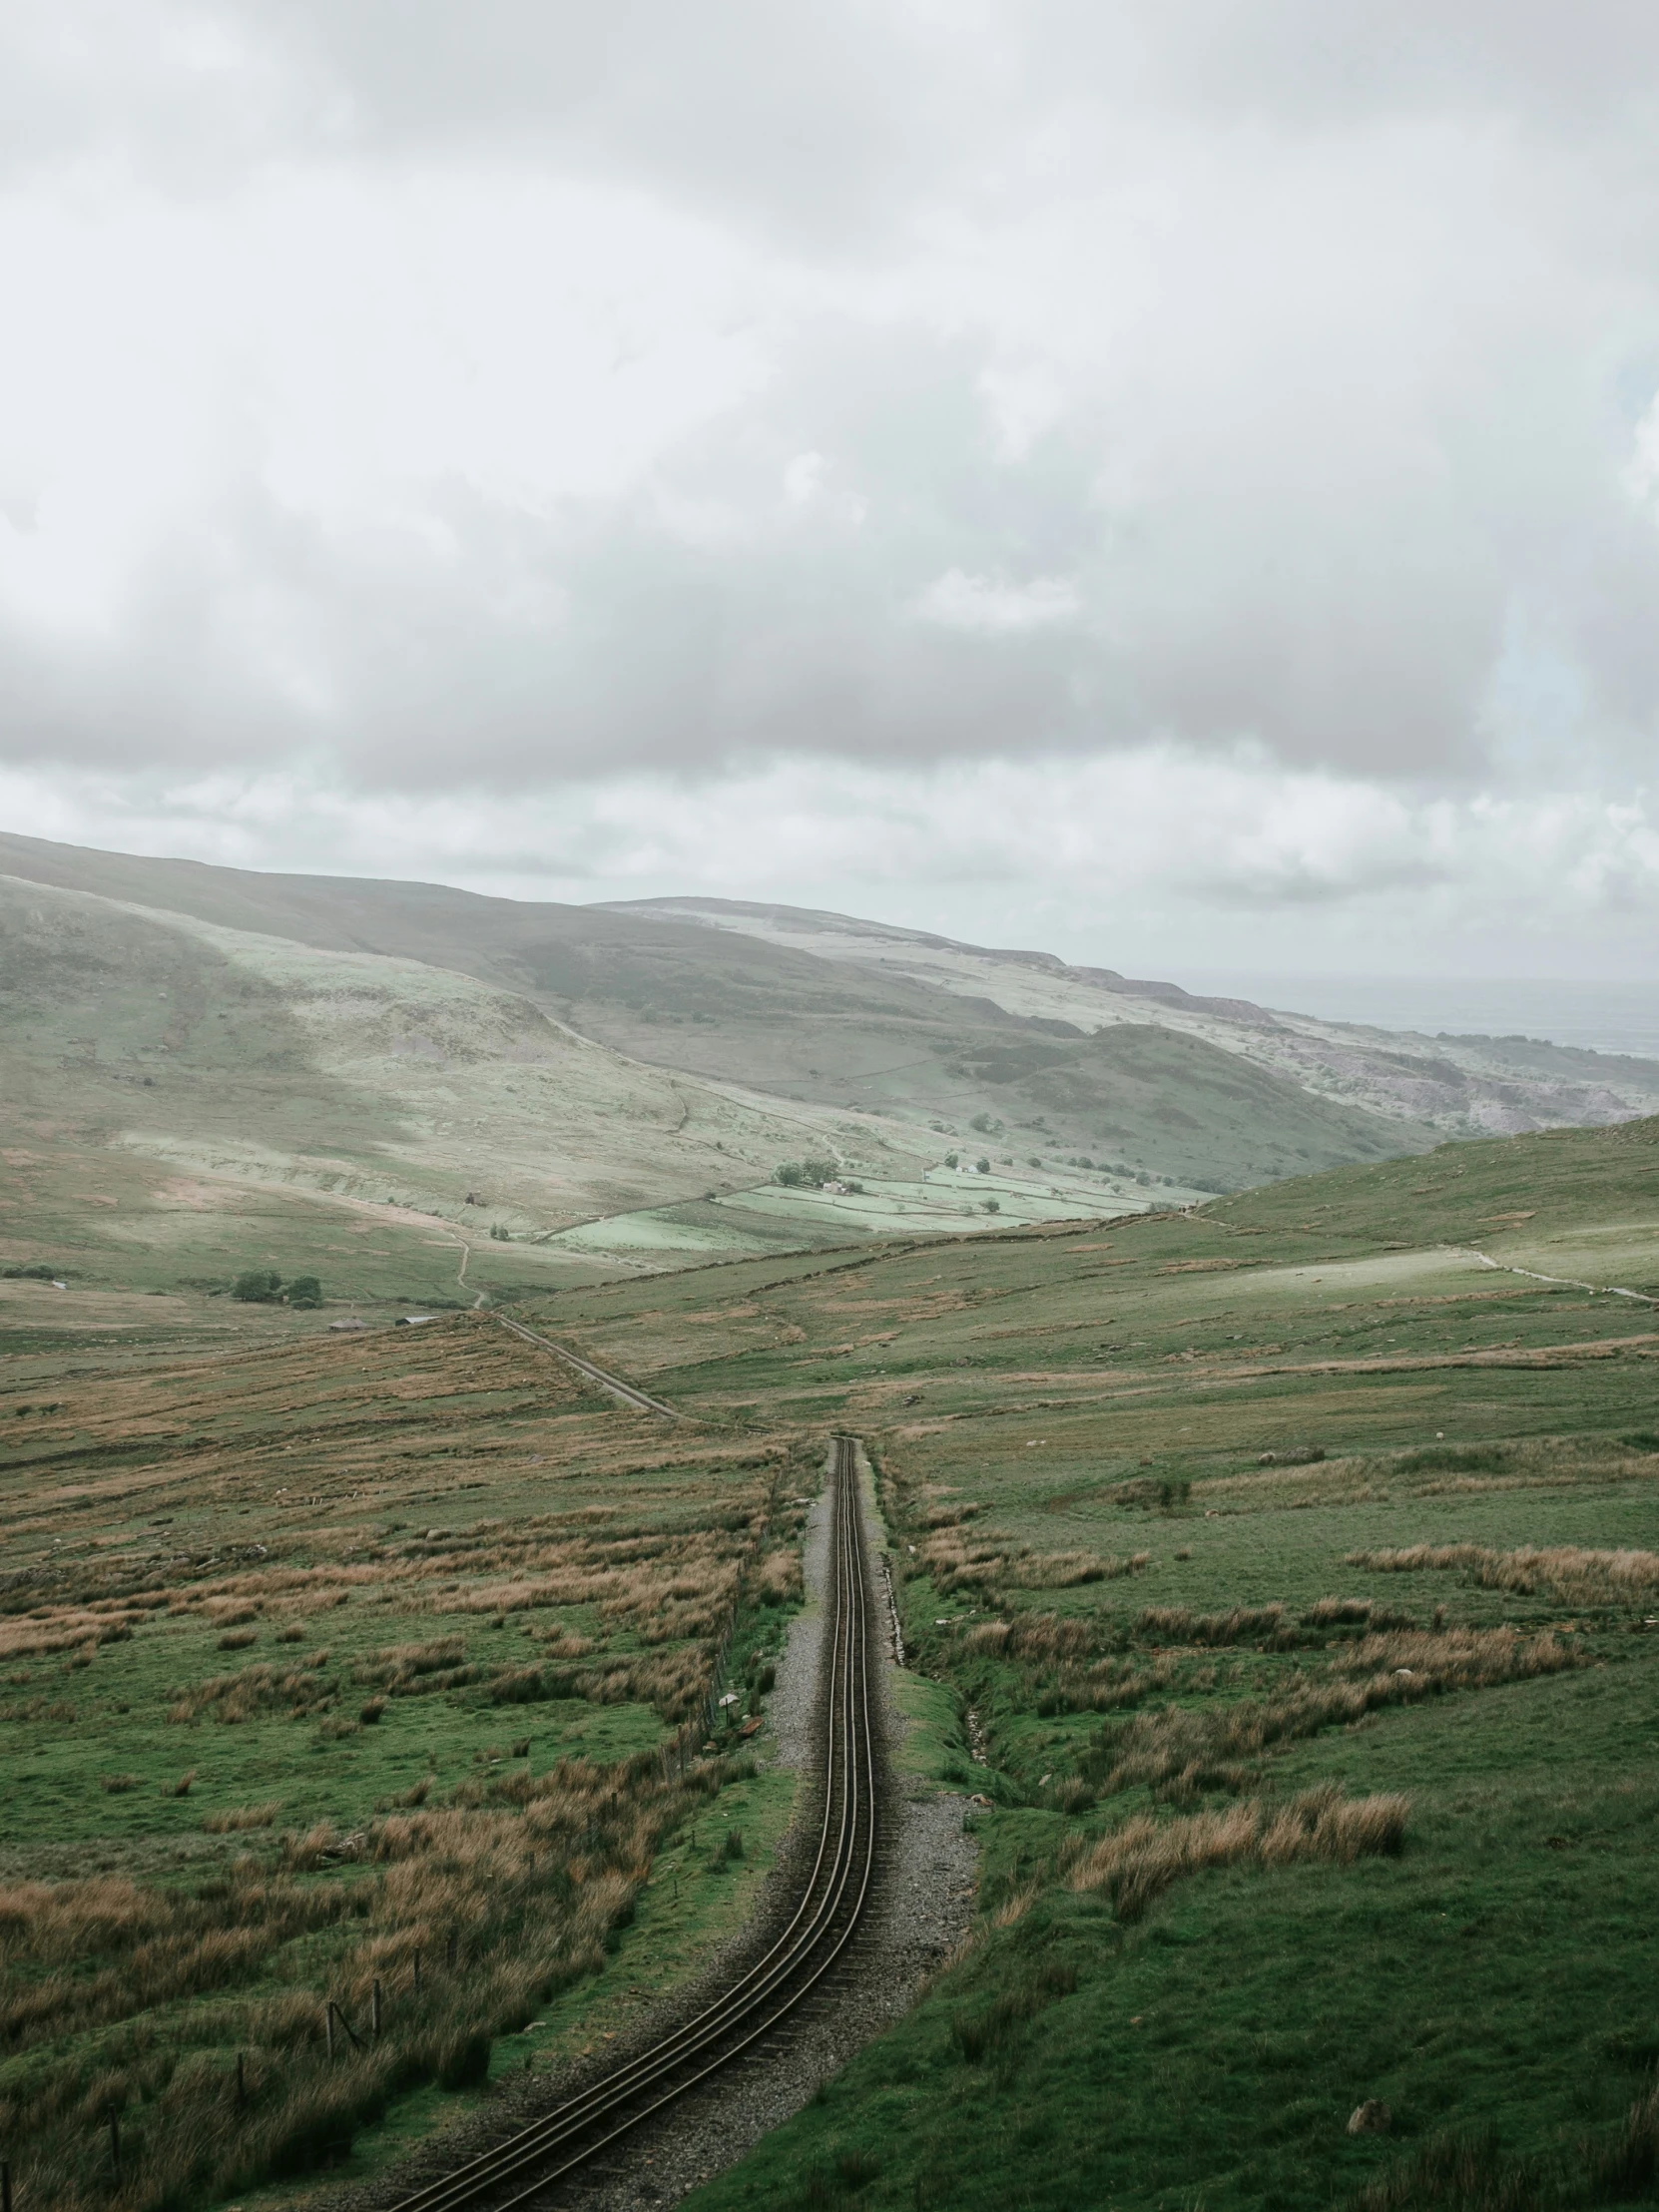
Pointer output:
432, 1094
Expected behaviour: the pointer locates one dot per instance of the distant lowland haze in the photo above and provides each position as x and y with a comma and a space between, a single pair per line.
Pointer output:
1598, 1017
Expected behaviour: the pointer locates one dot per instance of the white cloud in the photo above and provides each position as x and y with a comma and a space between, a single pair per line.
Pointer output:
995, 607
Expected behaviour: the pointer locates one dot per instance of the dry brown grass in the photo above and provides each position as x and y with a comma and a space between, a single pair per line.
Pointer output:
1061, 1665
129, 1992
1180, 1753
1262, 1624
955, 1563
780, 1576
239, 1816
1561, 1571
527, 1880
1138, 1861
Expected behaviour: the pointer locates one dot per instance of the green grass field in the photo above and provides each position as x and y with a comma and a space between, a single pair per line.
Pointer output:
336, 1664
1145, 1481
1290, 1565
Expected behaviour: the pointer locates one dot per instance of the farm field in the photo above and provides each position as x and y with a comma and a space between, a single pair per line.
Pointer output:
334, 1664
1285, 1577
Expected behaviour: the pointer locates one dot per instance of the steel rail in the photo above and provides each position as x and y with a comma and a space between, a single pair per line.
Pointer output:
606, 1380
826, 1914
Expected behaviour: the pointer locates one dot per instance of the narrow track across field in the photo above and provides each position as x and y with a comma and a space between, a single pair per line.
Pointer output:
606, 1380
525, 2167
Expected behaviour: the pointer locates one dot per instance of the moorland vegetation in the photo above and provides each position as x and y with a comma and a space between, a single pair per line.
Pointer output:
1282, 1580
1280, 1575
314, 1805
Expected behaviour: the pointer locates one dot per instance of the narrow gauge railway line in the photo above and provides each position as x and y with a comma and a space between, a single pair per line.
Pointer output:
526, 2166
606, 1380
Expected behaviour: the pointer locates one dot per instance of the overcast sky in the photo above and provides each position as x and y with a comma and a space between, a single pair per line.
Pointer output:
1173, 481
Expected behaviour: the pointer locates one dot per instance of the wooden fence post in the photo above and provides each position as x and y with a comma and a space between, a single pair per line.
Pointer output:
329, 2025
417, 1974
374, 2009
241, 2086
5, 2185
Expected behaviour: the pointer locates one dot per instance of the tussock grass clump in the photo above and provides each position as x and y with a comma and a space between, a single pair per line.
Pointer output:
401, 1668
564, 1643
1138, 1861
778, 1581
1561, 1571
55, 1628
955, 1564
1338, 1612
1244, 1625
117, 1785
1180, 1753
1065, 1570
984, 2031
1060, 1665
1472, 2172
236, 1818
258, 1689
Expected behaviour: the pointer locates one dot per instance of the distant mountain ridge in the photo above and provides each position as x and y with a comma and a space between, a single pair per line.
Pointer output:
1456, 1087
617, 1085
712, 909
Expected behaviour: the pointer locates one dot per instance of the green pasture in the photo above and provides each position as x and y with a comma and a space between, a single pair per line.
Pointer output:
1220, 1407
1500, 1975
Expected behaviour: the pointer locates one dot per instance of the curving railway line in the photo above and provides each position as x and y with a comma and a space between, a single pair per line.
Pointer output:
527, 2165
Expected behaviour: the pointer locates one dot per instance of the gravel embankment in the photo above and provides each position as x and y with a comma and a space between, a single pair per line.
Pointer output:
920, 1908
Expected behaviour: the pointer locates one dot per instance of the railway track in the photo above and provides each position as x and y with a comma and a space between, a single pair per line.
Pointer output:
606, 1380
529, 2164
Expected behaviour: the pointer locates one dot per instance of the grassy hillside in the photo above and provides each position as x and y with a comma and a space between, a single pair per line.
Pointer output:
826, 1035
185, 1099
1289, 1567
334, 1666
1459, 1086
1280, 1576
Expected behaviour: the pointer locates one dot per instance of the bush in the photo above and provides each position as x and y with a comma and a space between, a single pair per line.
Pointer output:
257, 1286
305, 1290
991, 1205
951, 1158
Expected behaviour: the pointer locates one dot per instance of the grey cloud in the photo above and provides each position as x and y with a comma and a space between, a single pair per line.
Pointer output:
1310, 488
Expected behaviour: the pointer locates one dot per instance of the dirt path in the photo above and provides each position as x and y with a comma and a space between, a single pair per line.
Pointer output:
1566, 1282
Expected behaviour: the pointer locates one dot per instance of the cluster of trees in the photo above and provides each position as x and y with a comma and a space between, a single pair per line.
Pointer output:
808, 1174
264, 1286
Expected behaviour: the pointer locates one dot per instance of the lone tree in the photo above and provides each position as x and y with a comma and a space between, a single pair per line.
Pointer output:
305, 1290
